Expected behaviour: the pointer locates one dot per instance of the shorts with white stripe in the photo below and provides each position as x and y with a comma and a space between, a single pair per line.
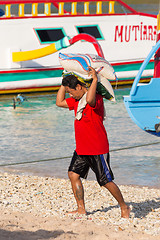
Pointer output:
100, 164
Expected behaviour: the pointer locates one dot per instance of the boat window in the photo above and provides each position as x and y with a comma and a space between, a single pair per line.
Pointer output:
93, 30
2, 13
50, 35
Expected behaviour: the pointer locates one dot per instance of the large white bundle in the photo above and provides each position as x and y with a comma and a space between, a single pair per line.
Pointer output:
78, 64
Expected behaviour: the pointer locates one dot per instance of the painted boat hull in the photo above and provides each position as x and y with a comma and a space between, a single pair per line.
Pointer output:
143, 103
120, 36
144, 109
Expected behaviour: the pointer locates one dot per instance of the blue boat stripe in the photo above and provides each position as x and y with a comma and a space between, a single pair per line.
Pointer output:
105, 166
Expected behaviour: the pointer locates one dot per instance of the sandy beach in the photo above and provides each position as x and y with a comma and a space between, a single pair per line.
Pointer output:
35, 208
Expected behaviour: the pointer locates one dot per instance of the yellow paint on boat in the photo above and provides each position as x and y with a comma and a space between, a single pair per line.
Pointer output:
42, 52
33, 54
42, 89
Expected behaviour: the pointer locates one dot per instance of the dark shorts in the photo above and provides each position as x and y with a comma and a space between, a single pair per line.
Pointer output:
100, 164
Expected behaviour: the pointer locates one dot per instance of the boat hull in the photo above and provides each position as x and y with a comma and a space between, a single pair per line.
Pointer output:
144, 107
49, 79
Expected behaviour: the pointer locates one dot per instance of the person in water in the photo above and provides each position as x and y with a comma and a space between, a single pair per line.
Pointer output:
92, 147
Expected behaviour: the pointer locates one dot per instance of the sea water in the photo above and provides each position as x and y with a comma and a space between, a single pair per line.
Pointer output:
38, 130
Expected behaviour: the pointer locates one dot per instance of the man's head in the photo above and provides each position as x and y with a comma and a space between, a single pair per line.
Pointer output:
73, 86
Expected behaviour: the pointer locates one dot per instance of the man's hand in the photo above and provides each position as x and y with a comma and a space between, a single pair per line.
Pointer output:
92, 72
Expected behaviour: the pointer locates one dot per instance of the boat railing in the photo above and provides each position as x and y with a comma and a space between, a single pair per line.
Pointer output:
36, 8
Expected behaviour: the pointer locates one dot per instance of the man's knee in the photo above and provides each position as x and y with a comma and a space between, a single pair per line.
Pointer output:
73, 175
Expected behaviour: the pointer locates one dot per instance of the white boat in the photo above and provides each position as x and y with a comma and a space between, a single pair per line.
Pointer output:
31, 32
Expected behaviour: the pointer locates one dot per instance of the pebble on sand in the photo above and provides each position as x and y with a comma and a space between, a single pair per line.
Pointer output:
46, 196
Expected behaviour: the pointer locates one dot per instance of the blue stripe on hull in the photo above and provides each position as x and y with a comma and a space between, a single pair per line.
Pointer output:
153, 133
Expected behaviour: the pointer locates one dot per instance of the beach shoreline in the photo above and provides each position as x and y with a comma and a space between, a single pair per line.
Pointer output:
92, 177
34, 207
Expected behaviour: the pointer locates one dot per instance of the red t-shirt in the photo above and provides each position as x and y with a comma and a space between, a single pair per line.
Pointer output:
90, 134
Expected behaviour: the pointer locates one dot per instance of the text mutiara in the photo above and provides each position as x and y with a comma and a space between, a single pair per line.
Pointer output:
127, 33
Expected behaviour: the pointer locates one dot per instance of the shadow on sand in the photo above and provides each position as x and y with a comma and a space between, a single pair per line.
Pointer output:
28, 235
140, 209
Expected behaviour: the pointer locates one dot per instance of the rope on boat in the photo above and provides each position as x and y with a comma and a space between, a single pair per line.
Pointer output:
54, 159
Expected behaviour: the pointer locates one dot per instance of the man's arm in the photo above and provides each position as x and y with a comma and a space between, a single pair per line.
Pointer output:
60, 100
91, 94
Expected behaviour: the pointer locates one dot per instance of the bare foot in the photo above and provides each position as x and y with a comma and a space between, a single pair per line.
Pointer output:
79, 211
125, 212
